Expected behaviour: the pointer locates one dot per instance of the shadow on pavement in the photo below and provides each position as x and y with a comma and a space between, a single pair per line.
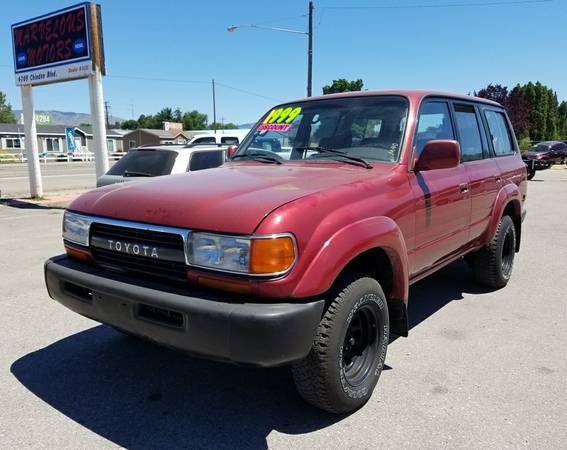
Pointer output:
139, 395
429, 295
23, 204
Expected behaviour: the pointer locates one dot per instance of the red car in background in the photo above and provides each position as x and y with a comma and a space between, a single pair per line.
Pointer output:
543, 155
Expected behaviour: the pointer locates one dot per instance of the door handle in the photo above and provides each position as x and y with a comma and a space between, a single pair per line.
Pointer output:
498, 180
464, 187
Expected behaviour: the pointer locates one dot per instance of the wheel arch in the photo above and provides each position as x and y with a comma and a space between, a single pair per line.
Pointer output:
374, 246
508, 202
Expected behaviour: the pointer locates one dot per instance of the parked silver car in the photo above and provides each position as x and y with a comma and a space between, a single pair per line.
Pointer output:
162, 160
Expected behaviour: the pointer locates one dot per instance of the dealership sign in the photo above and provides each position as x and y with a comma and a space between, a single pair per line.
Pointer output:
58, 46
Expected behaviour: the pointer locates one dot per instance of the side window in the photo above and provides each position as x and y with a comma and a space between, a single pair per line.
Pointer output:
131, 144
434, 123
230, 140
205, 140
469, 132
206, 160
499, 133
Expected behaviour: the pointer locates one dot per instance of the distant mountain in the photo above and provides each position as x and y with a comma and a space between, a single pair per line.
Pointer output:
246, 126
72, 119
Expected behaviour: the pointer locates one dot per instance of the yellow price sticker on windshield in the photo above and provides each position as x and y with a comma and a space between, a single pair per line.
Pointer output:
282, 115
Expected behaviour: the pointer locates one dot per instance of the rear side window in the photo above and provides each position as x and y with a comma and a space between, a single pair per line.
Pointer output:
230, 140
144, 162
469, 133
434, 123
499, 133
206, 160
205, 140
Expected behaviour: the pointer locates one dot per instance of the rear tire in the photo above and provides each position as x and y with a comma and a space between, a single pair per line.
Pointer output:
493, 264
347, 357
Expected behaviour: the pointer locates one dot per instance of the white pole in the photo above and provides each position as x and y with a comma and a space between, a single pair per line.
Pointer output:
98, 124
34, 171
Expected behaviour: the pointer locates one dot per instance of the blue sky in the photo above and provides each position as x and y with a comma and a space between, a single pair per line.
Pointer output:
457, 49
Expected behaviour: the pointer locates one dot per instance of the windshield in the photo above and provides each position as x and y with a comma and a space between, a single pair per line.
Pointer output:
539, 148
144, 163
347, 129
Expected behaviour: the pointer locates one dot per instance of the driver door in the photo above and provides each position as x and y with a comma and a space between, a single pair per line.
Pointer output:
443, 202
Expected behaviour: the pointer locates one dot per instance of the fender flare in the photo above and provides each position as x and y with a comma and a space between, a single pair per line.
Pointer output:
509, 194
340, 249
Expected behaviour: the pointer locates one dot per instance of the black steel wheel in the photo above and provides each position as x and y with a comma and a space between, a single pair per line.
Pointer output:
349, 349
493, 264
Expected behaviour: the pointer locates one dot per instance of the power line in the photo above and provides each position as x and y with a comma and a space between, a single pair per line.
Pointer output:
167, 80
443, 5
177, 80
246, 92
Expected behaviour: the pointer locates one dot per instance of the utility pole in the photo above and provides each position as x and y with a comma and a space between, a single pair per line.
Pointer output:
106, 109
310, 51
214, 109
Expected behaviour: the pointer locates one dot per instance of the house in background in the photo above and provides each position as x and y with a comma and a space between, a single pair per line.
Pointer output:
51, 139
147, 136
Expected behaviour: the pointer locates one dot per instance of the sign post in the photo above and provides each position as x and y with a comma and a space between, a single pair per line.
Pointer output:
61, 46
34, 171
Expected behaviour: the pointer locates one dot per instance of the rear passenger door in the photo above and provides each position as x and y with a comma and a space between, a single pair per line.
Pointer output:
504, 147
482, 171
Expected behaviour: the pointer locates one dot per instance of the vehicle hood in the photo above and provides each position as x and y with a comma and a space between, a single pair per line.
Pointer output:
535, 155
233, 198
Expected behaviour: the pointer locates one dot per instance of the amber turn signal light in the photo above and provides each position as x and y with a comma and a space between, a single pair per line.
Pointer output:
271, 255
78, 253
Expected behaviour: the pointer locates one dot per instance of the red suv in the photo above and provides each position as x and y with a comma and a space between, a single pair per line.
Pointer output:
301, 249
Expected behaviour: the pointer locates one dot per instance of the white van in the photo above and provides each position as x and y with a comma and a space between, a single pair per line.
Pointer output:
224, 137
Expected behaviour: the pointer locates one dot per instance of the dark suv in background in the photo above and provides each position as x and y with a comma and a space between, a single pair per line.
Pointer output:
544, 155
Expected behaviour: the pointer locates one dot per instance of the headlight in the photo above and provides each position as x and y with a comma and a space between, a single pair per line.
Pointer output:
265, 255
76, 228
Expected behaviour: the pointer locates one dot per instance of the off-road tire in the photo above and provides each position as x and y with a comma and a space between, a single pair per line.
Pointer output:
325, 377
531, 173
493, 264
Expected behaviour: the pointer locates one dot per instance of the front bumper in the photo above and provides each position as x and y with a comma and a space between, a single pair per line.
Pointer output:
537, 164
215, 326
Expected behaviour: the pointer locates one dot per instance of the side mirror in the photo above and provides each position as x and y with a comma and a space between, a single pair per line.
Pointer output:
439, 154
230, 151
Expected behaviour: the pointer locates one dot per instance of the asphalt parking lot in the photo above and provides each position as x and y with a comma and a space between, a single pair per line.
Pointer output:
56, 176
479, 370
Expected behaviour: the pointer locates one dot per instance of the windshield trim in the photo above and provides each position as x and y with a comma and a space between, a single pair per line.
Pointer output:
250, 135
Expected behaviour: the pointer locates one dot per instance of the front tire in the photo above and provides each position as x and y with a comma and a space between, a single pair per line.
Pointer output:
531, 173
347, 357
493, 264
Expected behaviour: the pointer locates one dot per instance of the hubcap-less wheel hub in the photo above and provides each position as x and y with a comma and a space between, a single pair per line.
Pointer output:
359, 348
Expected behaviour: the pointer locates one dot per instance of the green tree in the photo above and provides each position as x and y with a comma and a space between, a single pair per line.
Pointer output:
6, 114
562, 120
129, 124
194, 120
223, 126
343, 85
544, 111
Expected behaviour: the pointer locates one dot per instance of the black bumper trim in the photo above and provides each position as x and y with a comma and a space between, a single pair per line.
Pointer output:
537, 164
215, 326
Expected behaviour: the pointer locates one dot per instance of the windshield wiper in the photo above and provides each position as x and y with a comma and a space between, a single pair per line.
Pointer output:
134, 173
259, 156
325, 151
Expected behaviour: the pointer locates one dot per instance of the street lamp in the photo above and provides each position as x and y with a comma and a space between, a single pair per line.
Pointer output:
309, 35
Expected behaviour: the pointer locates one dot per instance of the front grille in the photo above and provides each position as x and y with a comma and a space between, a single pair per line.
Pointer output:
168, 244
